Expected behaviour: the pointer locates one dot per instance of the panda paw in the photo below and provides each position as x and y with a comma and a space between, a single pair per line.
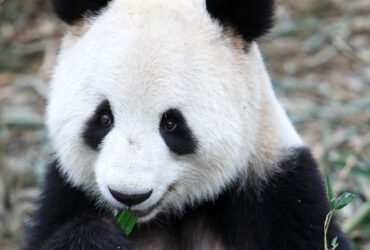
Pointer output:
92, 234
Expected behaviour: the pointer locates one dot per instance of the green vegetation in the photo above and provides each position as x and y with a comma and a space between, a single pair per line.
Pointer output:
335, 205
126, 221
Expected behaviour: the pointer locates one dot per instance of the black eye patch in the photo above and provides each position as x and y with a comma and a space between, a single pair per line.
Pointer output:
99, 125
176, 133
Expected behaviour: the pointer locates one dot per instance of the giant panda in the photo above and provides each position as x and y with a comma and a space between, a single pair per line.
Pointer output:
165, 107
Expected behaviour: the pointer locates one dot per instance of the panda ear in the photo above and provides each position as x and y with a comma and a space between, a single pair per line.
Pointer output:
250, 18
72, 11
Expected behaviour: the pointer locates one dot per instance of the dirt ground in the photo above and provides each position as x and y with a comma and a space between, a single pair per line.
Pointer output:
318, 55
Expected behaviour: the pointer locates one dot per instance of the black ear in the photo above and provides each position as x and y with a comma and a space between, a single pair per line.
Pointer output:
71, 11
250, 18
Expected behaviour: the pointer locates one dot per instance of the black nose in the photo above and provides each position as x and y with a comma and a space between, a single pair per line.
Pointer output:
130, 199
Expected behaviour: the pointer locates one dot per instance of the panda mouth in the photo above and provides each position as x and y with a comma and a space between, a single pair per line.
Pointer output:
143, 213
146, 212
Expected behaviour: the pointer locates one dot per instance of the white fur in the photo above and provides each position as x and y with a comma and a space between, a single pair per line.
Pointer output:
146, 56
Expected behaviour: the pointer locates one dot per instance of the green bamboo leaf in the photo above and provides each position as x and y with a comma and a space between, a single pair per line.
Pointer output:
126, 221
344, 200
329, 193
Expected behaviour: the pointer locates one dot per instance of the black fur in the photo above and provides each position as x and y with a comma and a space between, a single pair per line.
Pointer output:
68, 219
250, 18
181, 141
71, 11
288, 213
94, 132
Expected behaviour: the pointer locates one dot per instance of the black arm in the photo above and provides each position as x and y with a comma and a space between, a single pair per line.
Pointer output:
68, 219
286, 213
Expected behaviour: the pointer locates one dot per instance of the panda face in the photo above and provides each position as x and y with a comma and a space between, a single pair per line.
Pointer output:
152, 106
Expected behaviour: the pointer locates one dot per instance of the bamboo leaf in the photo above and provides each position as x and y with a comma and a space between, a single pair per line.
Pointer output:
126, 221
344, 200
329, 193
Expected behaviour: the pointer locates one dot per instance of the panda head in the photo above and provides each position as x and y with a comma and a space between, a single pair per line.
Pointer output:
156, 104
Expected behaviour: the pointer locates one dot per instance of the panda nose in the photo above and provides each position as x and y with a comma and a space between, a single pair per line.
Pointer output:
130, 199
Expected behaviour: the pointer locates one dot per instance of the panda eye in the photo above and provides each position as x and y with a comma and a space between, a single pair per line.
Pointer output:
99, 125
176, 133
106, 120
170, 125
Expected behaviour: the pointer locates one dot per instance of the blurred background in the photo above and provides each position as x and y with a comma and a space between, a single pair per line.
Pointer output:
318, 55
